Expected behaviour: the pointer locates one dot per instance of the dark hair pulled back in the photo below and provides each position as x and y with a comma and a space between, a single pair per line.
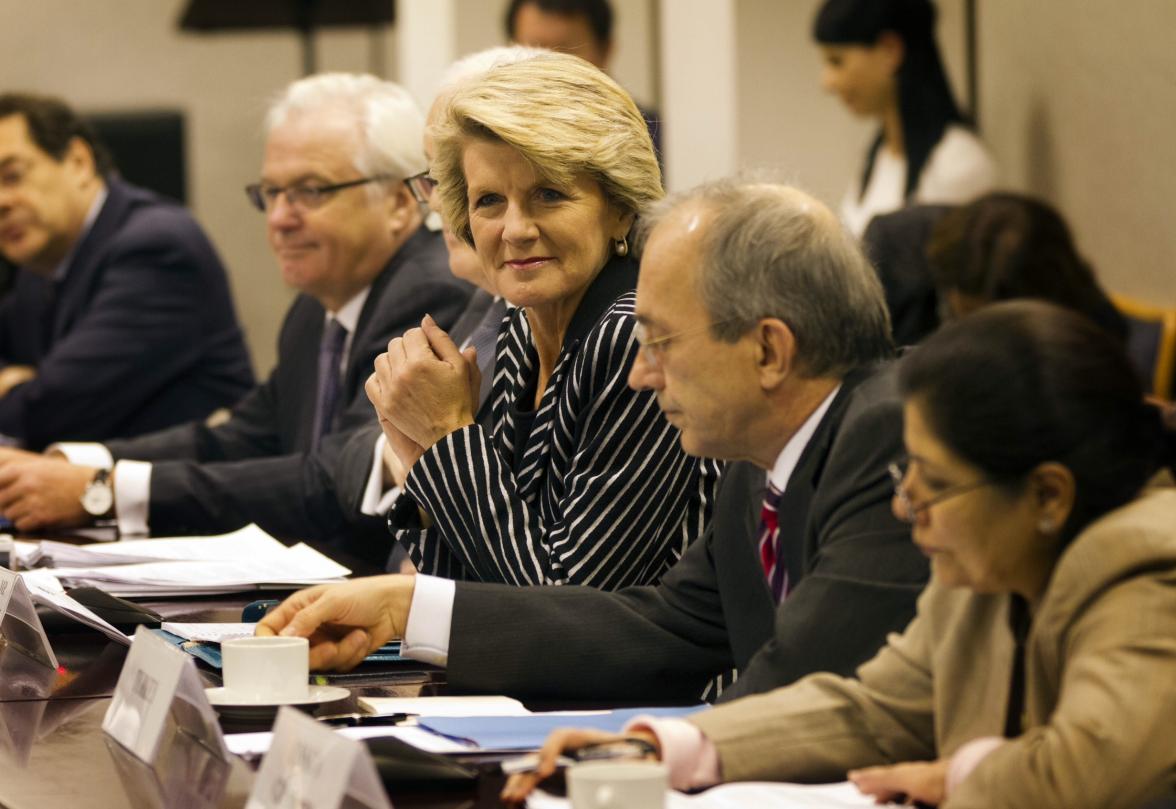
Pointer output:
1023, 383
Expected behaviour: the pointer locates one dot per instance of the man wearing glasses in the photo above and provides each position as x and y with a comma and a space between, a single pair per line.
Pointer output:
85, 352
765, 336
348, 237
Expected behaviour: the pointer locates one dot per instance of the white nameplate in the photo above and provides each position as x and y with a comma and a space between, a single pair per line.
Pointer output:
149, 682
17, 602
309, 766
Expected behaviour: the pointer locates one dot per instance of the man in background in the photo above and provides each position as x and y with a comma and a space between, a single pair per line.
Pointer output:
582, 28
120, 321
348, 236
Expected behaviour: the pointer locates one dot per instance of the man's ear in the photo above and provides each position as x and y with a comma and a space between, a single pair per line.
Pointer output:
79, 160
775, 352
402, 210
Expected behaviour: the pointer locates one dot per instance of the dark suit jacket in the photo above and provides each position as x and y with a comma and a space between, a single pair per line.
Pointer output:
139, 335
856, 571
897, 245
335, 481
251, 468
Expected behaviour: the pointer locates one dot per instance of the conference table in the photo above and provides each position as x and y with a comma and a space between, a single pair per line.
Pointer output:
53, 752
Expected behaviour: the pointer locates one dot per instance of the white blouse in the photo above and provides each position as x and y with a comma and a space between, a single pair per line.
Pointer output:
958, 170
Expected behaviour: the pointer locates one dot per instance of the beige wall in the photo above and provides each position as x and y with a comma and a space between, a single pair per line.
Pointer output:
1078, 107
1078, 101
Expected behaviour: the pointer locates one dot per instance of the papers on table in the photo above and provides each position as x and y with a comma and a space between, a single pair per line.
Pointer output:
443, 706
529, 732
209, 633
257, 744
300, 566
47, 591
739, 796
248, 543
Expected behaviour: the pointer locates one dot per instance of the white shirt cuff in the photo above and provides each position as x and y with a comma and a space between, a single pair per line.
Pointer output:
84, 453
377, 502
430, 617
132, 494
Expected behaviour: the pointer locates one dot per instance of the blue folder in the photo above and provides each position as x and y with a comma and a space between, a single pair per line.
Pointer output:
529, 732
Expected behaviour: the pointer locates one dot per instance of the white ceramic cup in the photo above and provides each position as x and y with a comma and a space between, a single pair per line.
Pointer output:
270, 670
617, 785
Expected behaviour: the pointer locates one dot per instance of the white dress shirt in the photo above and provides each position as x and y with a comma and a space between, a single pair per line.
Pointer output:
132, 479
430, 614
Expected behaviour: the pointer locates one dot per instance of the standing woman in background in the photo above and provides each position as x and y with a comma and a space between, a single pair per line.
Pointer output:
882, 61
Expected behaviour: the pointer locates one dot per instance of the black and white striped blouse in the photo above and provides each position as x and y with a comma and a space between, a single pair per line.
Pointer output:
602, 495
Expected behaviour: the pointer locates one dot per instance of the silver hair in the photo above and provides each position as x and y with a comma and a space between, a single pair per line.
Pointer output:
770, 250
389, 122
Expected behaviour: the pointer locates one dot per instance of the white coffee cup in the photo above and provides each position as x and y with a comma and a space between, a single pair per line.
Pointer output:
618, 785
270, 670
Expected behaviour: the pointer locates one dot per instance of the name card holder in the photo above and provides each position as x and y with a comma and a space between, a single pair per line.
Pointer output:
162, 732
309, 766
25, 652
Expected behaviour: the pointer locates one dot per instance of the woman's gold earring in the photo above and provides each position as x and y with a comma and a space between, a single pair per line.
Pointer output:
1045, 526
622, 247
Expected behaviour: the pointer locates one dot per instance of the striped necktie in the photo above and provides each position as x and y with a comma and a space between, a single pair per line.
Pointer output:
769, 530
329, 381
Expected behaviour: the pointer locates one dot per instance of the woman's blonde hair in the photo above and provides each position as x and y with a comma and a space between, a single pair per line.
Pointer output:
565, 116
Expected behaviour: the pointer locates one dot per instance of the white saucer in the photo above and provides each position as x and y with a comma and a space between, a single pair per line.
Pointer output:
315, 695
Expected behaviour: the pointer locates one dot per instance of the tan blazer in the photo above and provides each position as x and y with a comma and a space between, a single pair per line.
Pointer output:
1100, 673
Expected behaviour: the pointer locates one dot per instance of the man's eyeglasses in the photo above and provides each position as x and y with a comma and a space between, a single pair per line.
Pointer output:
301, 197
421, 185
654, 348
910, 509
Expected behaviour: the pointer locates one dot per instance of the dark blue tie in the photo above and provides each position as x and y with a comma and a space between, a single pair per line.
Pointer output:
329, 381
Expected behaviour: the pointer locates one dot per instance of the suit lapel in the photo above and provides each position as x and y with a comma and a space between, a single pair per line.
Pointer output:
74, 293
795, 509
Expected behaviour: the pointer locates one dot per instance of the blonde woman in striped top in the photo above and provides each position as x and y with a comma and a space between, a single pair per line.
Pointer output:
572, 476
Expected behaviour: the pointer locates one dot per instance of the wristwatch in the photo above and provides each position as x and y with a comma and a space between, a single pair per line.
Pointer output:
98, 499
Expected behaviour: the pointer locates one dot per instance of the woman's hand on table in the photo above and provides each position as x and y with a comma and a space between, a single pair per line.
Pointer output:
915, 781
560, 742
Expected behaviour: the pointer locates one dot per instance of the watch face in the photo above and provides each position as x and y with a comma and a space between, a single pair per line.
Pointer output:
98, 499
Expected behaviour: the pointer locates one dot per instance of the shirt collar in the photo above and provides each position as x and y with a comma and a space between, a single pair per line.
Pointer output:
348, 313
787, 459
59, 272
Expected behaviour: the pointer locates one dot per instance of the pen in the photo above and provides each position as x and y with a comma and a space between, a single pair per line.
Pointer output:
530, 762
363, 719
630, 749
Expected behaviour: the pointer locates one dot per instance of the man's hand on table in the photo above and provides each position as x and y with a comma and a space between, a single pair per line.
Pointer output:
344, 622
39, 491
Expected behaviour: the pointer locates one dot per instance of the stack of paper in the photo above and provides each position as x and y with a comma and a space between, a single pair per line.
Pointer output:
249, 543
298, 566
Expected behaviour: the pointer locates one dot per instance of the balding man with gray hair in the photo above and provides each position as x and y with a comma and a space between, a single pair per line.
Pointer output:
347, 235
765, 336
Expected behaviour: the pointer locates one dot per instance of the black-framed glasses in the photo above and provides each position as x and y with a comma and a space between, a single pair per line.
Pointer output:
654, 348
302, 197
910, 509
422, 186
